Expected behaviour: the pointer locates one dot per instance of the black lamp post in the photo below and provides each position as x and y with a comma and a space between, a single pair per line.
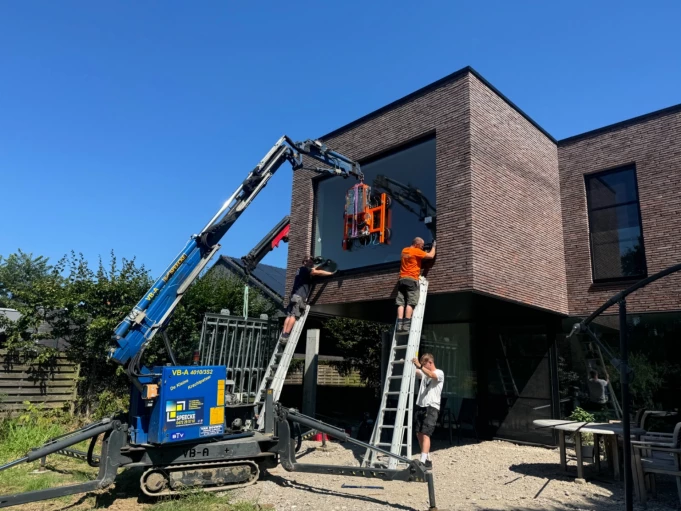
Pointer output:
622, 365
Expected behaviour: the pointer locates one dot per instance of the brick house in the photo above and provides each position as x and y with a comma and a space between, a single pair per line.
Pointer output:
533, 233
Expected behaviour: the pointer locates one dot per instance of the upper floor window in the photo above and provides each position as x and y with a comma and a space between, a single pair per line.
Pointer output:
413, 166
616, 236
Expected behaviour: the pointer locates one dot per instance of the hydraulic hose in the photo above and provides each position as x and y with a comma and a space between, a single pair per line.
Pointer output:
90, 460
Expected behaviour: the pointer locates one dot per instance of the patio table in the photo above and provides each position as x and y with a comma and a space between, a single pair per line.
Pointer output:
609, 433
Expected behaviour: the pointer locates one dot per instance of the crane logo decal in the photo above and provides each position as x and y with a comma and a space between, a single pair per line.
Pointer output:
172, 270
186, 412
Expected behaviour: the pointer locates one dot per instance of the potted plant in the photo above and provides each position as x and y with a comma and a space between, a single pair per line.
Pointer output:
581, 415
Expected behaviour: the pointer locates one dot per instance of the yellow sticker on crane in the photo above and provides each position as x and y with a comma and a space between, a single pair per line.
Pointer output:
221, 393
217, 415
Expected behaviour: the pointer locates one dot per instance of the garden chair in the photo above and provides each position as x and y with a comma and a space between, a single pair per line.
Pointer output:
656, 455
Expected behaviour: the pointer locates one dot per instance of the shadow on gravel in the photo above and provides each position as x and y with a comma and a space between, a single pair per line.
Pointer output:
666, 490
553, 471
285, 483
305, 452
358, 452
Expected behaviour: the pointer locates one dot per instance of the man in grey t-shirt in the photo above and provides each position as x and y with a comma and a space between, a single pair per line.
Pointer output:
597, 388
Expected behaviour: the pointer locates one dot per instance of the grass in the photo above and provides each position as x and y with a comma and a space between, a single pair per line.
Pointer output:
205, 501
21, 434
18, 436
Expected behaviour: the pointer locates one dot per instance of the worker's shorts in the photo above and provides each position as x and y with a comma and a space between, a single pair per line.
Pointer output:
296, 306
407, 292
425, 420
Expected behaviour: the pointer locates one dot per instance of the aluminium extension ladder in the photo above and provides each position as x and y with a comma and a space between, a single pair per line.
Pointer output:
275, 374
396, 411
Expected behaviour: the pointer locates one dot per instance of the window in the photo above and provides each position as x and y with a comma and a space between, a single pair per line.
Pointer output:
414, 166
450, 345
616, 237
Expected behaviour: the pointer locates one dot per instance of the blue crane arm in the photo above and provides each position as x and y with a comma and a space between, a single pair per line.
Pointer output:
153, 311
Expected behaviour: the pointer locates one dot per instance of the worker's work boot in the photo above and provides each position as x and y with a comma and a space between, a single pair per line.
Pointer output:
406, 326
284, 338
400, 324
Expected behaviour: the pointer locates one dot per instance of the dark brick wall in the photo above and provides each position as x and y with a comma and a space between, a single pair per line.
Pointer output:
512, 218
518, 251
444, 110
654, 145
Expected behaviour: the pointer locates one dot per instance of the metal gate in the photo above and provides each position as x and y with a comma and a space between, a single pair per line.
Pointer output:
244, 346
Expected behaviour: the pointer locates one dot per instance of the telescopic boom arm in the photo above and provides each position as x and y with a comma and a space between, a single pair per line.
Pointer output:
153, 311
271, 241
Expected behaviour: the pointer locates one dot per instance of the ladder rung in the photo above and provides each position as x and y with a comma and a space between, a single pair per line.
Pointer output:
393, 401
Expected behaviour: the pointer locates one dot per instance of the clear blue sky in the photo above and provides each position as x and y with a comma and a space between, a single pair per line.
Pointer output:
125, 125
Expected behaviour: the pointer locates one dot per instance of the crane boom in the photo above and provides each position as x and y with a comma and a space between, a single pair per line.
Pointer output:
271, 240
152, 312
406, 194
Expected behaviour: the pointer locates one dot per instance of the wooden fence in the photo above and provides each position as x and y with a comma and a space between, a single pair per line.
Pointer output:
54, 386
46, 386
326, 375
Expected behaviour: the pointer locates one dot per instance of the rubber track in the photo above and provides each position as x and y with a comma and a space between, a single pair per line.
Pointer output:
175, 468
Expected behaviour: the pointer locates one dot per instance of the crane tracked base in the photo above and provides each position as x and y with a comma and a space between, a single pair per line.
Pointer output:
217, 476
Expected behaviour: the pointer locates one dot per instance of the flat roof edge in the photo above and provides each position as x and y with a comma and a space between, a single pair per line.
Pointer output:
623, 124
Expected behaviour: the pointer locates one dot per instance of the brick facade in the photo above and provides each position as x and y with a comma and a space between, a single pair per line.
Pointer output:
445, 111
511, 203
653, 144
518, 249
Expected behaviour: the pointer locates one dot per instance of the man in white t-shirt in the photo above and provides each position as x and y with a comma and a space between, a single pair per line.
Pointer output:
427, 403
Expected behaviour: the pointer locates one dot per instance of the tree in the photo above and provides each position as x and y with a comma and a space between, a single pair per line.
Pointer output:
91, 304
360, 344
82, 307
18, 273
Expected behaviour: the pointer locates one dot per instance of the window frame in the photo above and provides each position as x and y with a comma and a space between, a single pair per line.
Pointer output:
366, 160
590, 210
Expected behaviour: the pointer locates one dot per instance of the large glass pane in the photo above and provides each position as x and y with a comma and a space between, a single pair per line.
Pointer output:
413, 166
450, 345
618, 217
616, 243
654, 356
611, 188
519, 383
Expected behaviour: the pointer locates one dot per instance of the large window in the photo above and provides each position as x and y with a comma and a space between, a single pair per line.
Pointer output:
615, 225
450, 345
414, 166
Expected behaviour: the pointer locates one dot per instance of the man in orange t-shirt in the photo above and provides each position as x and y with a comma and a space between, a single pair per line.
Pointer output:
408, 285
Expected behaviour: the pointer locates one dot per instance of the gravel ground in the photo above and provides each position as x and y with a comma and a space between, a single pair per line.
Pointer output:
490, 475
